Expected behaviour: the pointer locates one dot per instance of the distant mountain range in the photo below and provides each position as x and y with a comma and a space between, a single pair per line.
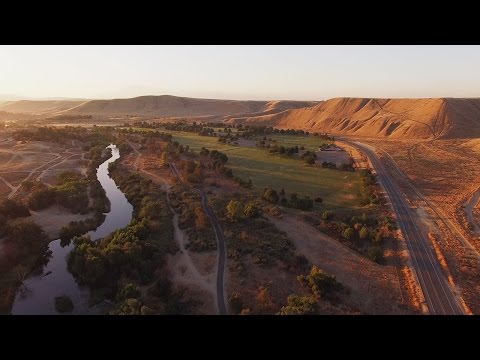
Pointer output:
393, 118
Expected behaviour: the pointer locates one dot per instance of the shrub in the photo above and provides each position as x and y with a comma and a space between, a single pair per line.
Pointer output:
41, 199
236, 303
63, 304
319, 282
348, 233
13, 209
271, 195
375, 253
378, 237
250, 210
234, 210
300, 305
327, 215
363, 234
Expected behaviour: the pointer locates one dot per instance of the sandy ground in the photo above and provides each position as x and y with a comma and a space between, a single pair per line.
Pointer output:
54, 218
374, 289
34, 160
43, 161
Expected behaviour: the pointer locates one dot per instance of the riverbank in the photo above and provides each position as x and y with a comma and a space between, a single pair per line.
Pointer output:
37, 293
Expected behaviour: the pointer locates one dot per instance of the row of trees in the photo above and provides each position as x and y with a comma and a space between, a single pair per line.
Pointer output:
237, 210
305, 203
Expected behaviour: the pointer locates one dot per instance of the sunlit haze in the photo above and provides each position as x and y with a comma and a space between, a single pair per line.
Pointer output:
240, 72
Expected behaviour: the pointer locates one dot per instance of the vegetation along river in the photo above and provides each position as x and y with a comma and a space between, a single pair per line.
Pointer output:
37, 294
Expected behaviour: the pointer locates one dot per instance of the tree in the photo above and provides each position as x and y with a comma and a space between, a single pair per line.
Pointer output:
363, 233
128, 291
348, 233
271, 195
41, 199
327, 215
294, 199
250, 210
13, 209
319, 282
358, 226
236, 303
265, 303
378, 237
300, 305
375, 253
234, 210
201, 220
164, 159
309, 160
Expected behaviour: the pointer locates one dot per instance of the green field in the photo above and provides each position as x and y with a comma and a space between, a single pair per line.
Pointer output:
310, 142
338, 189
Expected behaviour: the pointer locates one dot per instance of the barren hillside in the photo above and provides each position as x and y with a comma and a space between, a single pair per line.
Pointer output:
167, 105
394, 118
39, 107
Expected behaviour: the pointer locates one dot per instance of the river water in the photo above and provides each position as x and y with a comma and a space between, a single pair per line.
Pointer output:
37, 294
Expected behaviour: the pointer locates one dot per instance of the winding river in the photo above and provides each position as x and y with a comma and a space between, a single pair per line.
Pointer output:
38, 292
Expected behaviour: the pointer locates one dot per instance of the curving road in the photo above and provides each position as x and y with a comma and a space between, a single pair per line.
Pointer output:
439, 296
220, 243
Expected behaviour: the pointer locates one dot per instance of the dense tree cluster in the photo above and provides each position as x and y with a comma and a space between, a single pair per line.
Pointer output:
62, 134
368, 193
12, 209
363, 233
146, 134
248, 234
27, 236
271, 195
192, 218
319, 284
256, 130
72, 192
236, 210
134, 252
41, 196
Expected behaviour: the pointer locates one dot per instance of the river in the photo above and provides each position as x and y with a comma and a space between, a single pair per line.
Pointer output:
37, 294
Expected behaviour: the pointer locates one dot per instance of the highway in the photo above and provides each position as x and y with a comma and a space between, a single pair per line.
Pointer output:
439, 296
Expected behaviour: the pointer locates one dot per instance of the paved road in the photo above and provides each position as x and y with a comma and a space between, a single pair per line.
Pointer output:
220, 243
221, 254
438, 294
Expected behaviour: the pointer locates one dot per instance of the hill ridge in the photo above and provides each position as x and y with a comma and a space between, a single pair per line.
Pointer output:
422, 118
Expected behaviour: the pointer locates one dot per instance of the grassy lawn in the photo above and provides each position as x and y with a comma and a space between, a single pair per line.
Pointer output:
310, 142
338, 189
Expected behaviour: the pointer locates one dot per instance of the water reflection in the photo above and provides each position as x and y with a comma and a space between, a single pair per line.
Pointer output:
52, 278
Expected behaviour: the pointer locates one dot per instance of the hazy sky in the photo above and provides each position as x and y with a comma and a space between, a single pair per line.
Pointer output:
240, 72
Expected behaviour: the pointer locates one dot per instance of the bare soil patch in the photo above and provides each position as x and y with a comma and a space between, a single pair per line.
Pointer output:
374, 289
54, 218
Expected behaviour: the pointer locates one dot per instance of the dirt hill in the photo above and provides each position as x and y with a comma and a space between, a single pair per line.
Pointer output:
40, 107
395, 118
166, 105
